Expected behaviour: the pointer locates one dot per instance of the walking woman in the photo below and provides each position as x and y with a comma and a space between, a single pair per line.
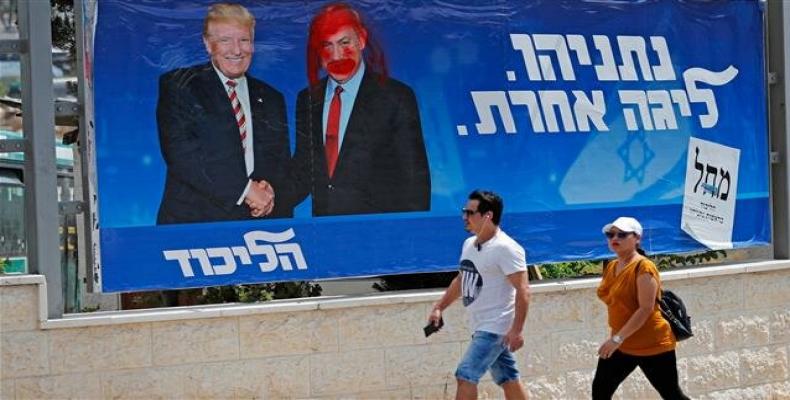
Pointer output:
640, 337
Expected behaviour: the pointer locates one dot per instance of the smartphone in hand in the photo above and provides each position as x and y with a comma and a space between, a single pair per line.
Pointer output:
430, 329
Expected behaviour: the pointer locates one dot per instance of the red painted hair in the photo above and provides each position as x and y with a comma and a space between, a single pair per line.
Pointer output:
329, 20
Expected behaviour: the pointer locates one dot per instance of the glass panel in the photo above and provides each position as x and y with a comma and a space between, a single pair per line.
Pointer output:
8, 21
9, 63
12, 224
10, 80
12, 193
68, 245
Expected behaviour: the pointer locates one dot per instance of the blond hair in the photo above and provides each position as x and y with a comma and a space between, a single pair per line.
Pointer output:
227, 12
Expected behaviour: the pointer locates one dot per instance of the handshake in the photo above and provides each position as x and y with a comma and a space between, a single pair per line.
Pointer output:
260, 198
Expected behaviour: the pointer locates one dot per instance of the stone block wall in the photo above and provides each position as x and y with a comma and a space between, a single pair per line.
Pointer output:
373, 346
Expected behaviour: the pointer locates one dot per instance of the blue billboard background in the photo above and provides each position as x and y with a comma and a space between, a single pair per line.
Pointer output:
559, 186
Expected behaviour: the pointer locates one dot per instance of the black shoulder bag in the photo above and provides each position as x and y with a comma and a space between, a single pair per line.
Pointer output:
674, 311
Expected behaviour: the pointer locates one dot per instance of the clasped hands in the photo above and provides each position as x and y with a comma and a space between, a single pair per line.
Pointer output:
260, 198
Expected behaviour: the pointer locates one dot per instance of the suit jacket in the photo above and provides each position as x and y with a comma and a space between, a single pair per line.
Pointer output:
382, 165
200, 142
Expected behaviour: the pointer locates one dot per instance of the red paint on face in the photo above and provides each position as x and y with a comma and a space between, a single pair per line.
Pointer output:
343, 67
341, 53
337, 40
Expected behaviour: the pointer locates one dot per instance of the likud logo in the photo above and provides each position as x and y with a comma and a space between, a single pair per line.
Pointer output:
267, 250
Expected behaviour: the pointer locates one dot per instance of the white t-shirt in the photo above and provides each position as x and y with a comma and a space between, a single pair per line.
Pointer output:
488, 296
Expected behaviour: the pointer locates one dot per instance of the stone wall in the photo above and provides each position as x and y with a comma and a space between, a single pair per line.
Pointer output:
373, 347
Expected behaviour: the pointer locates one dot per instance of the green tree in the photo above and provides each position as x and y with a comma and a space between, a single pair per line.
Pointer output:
63, 31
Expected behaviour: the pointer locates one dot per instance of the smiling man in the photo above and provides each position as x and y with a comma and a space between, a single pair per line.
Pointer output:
359, 144
223, 134
492, 282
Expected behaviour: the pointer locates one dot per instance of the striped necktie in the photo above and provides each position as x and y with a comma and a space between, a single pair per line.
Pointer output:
241, 121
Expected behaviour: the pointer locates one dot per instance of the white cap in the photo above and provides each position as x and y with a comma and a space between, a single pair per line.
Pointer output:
625, 224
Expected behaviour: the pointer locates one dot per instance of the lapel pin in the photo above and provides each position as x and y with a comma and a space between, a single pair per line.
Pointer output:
260, 100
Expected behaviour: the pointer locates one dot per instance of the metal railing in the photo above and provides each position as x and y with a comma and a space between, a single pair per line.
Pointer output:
38, 123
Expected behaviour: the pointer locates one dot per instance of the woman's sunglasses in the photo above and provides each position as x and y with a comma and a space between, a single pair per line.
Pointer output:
620, 235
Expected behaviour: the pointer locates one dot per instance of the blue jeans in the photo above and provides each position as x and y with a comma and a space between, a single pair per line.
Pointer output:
486, 352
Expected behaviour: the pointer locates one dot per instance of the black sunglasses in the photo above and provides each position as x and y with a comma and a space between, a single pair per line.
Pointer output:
468, 212
620, 235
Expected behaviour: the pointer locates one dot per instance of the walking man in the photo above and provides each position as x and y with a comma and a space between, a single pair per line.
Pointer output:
493, 283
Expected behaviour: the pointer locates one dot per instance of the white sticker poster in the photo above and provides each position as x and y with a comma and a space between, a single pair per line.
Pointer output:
710, 193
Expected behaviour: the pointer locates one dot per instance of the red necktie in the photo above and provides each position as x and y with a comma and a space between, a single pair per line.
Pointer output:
332, 129
241, 121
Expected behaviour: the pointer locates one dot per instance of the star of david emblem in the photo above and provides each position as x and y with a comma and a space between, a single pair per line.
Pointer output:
636, 154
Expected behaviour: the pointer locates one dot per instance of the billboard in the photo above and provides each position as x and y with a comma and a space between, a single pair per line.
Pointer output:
576, 112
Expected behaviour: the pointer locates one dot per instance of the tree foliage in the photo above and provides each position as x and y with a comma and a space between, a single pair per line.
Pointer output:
575, 269
259, 292
63, 31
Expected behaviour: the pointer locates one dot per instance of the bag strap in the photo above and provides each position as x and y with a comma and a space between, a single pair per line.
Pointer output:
636, 276
636, 270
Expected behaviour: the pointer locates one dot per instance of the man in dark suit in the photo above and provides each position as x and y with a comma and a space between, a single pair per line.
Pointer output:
359, 144
223, 133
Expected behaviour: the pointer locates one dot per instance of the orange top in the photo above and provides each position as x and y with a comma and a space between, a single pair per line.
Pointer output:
619, 293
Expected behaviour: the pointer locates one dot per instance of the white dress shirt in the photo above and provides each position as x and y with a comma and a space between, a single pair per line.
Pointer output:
242, 92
